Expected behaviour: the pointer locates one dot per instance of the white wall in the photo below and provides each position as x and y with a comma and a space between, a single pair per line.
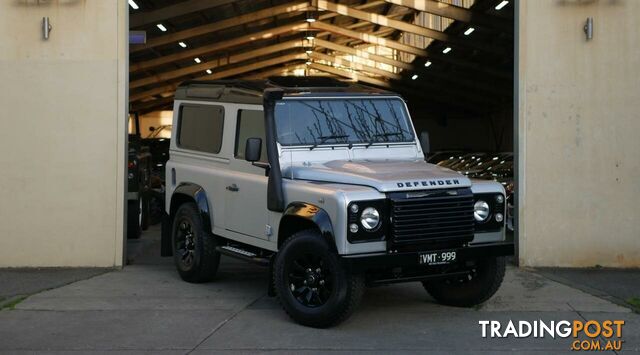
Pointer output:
63, 122
579, 129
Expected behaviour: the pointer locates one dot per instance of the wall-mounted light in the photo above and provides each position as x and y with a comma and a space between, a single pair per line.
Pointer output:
182, 44
161, 27
469, 31
197, 60
209, 71
133, 5
588, 28
46, 28
446, 50
414, 77
427, 64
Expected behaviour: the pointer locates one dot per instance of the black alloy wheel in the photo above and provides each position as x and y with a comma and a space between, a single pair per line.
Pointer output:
185, 243
311, 282
194, 247
310, 279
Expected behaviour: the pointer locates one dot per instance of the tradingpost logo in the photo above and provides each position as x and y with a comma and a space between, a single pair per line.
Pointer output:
591, 335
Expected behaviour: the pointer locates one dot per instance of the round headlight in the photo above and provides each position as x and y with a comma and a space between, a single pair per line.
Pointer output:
481, 211
370, 218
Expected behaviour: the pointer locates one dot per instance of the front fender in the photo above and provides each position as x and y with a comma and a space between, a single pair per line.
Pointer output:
313, 215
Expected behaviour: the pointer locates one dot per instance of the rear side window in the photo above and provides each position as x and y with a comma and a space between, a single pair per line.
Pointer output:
200, 128
250, 125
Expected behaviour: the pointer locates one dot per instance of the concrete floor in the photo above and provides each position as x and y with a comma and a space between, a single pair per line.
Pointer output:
146, 308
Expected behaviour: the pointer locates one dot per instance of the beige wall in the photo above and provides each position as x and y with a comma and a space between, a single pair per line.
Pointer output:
579, 133
63, 122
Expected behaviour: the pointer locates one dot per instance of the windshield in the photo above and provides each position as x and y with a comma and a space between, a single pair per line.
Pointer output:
342, 121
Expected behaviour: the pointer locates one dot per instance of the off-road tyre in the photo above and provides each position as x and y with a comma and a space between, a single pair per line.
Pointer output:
340, 289
194, 248
133, 219
483, 283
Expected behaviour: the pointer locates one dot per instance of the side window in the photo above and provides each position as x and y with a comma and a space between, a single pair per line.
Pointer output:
250, 125
200, 128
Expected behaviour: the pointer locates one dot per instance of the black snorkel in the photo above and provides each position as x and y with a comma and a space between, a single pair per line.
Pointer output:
275, 194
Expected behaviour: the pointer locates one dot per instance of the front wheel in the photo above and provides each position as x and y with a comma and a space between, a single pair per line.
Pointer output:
482, 282
311, 283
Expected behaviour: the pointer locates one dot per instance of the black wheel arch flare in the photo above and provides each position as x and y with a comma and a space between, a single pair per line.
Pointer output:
298, 216
185, 192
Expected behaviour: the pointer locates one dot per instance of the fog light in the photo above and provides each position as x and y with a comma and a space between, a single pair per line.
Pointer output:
499, 217
499, 199
355, 208
353, 228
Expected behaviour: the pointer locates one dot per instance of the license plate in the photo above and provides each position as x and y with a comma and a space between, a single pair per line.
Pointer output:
437, 258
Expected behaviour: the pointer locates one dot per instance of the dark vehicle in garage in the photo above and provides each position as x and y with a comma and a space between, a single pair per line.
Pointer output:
139, 178
487, 166
158, 142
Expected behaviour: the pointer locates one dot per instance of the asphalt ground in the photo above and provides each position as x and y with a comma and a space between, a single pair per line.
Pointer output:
146, 308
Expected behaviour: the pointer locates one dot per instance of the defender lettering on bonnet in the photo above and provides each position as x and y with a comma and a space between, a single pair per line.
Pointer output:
429, 183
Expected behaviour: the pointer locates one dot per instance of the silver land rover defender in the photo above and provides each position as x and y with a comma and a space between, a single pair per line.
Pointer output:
326, 184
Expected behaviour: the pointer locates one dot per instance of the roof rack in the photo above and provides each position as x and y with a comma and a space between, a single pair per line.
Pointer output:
251, 91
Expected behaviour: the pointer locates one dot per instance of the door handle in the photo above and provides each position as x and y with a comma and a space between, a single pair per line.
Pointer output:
233, 188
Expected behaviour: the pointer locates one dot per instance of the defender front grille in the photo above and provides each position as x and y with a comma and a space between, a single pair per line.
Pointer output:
432, 216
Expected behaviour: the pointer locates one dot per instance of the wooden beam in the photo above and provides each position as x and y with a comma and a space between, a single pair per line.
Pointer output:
273, 72
222, 74
369, 38
138, 19
222, 61
406, 27
221, 25
350, 75
456, 13
394, 86
384, 42
150, 105
199, 51
362, 54
357, 66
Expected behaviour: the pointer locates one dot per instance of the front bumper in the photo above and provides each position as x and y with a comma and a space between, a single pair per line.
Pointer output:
365, 262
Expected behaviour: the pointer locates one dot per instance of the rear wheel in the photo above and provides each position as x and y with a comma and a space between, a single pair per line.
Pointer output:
194, 248
482, 282
312, 285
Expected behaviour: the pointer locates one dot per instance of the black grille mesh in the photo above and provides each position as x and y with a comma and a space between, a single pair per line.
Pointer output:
437, 217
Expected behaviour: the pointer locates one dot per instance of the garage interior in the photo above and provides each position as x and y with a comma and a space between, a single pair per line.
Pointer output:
451, 60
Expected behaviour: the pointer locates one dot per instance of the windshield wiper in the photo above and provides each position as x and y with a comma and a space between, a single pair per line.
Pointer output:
389, 134
325, 138
385, 135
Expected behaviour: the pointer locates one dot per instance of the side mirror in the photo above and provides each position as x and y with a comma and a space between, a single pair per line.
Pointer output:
425, 143
253, 150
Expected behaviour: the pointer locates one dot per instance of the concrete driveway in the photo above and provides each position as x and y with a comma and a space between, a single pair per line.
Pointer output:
146, 308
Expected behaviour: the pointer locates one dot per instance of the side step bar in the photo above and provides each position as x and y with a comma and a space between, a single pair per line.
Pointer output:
242, 255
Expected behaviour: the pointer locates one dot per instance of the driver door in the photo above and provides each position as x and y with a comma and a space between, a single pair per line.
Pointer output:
246, 189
